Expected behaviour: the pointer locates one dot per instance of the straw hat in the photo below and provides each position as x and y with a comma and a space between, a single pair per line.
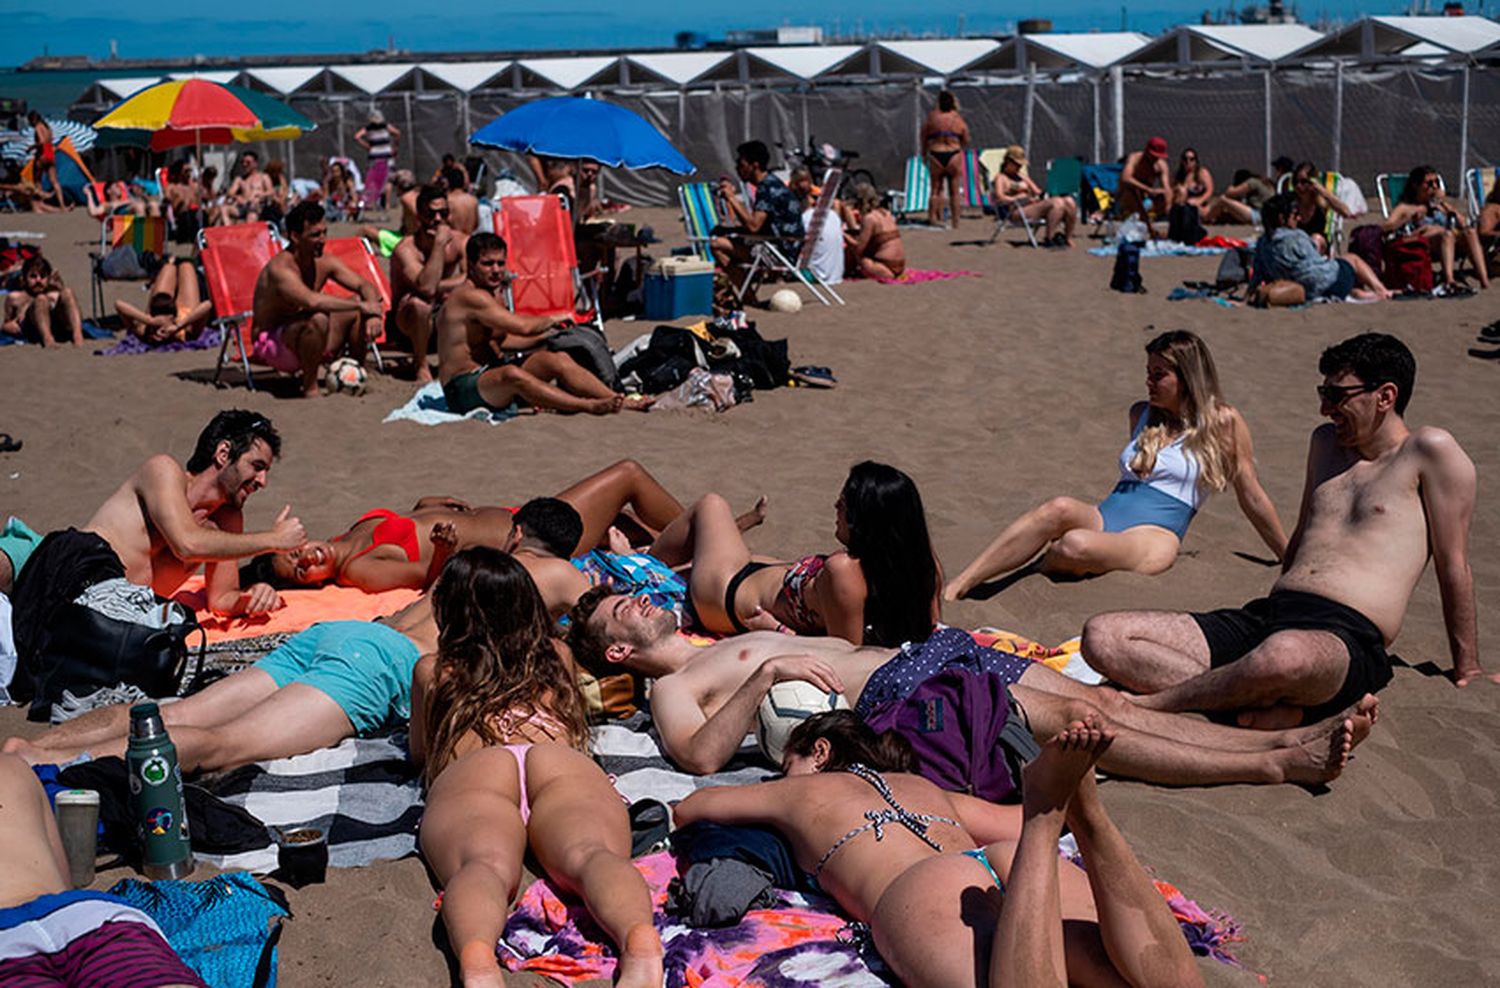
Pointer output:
1017, 154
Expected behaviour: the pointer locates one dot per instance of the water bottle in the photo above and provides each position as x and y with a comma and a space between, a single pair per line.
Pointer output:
156, 795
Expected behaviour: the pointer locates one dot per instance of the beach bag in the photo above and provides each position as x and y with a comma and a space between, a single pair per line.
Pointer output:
967, 732
1234, 268
114, 632
588, 348
1408, 266
122, 264
1127, 275
1368, 243
1184, 225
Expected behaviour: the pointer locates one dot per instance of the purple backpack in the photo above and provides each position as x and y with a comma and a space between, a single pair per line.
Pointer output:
969, 735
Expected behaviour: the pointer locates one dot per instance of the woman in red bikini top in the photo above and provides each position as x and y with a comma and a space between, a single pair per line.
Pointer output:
498, 720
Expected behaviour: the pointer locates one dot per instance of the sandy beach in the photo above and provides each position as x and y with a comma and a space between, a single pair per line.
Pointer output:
994, 392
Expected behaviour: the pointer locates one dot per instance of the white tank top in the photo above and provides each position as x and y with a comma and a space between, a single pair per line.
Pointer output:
1175, 472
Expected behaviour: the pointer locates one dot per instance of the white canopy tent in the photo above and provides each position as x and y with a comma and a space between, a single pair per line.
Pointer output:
465, 77
1254, 44
1093, 51
937, 57
568, 73
679, 68
284, 80
1406, 37
371, 79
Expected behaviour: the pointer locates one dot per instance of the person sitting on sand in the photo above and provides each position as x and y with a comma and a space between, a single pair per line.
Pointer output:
337, 679
875, 249
1314, 202
175, 310
923, 867
1186, 442
491, 358
498, 726
1014, 189
301, 326
1379, 499
1285, 253
1193, 183
425, 268
705, 699
1146, 182
58, 937
42, 309
881, 589
158, 527
1425, 213
1242, 201
1489, 215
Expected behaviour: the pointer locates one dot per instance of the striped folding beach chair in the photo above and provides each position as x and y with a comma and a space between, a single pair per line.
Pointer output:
1391, 186
916, 189
142, 234
700, 214
1478, 183
975, 184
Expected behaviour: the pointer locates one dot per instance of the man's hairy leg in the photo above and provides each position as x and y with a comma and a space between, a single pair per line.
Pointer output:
1290, 668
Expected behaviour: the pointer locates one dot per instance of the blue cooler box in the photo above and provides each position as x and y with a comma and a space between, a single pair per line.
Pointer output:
679, 286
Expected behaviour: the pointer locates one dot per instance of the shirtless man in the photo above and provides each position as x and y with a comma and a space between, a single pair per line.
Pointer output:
251, 188
44, 308
489, 357
425, 268
465, 207
304, 325
335, 680
1378, 500
705, 699
159, 526
1146, 176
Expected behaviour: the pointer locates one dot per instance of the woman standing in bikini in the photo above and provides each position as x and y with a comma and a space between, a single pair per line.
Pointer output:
957, 891
498, 725
944, 137
1186, 441
881, 589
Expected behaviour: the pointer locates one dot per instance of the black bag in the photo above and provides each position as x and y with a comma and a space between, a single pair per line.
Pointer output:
87, 650
1184, 225
587, 346
666, 361
1127, 276
1234, 268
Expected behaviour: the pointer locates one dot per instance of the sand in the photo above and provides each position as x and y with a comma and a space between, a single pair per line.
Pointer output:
994, 393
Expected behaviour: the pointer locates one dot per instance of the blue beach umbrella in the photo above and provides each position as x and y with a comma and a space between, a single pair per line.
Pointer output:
571, 127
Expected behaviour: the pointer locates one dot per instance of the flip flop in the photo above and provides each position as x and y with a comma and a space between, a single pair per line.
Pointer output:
9, 445
814, 377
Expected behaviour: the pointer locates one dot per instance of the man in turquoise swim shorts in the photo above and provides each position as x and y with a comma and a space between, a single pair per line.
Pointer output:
334, 680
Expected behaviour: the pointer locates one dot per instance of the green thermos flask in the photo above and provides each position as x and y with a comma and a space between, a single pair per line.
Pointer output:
156, 795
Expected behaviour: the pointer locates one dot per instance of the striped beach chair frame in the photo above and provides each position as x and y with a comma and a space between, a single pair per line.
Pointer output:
915, 193
142, 234
700, 214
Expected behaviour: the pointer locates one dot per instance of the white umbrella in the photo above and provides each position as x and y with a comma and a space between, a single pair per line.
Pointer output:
82, 134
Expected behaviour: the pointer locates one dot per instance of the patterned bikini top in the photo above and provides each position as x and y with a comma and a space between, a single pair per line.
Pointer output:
917, 823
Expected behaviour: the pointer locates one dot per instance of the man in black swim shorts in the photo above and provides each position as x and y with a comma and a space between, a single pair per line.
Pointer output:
1380, 497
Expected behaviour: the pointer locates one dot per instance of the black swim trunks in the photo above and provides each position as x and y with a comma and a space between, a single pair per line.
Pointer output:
1233, 632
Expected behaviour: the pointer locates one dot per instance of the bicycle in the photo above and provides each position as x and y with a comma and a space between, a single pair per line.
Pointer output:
818, 158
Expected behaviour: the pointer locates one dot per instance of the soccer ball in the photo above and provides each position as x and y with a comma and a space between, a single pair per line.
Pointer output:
785, 706
346, 376
786, 300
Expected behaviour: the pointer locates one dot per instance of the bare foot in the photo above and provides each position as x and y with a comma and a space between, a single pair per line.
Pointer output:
604, 406
640, 963
424, 373
954, 591
754, 516
638, 403
1049, 781
26, 751
1463, 677
478, 968
618, 543
1318, 759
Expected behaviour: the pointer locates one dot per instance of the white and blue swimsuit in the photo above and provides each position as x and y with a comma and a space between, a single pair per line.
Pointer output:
1167, 497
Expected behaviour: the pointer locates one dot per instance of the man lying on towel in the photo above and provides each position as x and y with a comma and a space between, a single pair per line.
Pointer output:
705, 699
157, 528
332, 681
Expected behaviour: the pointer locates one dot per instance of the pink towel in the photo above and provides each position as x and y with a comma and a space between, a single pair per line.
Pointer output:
914, 276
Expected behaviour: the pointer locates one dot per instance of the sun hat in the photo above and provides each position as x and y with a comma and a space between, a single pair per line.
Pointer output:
1017, 154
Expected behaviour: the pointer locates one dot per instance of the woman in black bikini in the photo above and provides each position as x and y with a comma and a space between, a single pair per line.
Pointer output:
944, 137
924, 867
1193, 183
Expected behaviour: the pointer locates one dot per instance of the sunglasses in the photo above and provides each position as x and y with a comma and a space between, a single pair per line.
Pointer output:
1432, 183
1337, 394
439, 212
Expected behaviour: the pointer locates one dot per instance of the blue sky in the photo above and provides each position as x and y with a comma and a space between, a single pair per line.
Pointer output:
271, 26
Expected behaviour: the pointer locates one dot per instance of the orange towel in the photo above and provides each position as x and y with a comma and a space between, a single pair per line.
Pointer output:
302, 609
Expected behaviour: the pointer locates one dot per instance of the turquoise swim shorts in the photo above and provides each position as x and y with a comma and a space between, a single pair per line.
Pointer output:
364, 667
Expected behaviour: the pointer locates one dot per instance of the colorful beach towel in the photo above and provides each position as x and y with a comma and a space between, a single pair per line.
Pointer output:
302, 610
429, 407
132, 346
1160, 248
916, 276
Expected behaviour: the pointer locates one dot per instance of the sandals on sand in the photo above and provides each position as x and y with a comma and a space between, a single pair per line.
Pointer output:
9, 445
814, 377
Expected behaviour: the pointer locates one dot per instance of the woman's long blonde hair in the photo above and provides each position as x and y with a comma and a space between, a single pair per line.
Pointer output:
1199, 416
498, 662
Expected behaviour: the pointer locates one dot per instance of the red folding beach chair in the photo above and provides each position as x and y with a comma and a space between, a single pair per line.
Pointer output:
357, 254
543, 260
231, 258
141, 234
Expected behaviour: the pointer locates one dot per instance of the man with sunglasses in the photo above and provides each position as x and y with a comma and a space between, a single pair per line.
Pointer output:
426, 268
1379, 499
492, 358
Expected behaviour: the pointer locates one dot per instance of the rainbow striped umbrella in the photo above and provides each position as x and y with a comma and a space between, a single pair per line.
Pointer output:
186, 112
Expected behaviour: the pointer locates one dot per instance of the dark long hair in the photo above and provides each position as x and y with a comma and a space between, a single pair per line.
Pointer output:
496, 658
888, 535
851, 740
